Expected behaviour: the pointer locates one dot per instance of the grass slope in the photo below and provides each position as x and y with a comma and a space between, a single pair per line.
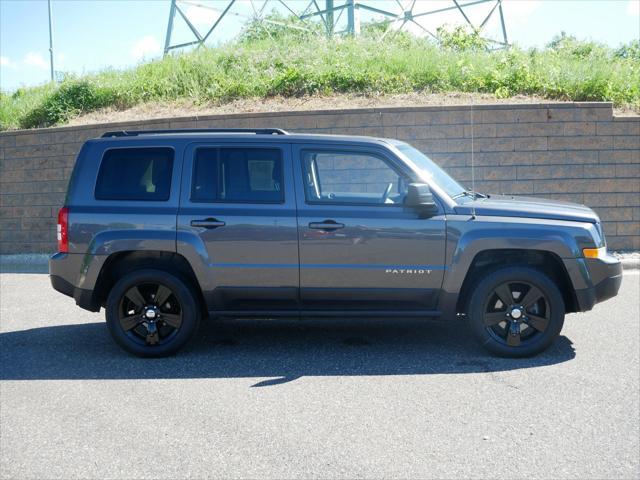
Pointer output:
286, 63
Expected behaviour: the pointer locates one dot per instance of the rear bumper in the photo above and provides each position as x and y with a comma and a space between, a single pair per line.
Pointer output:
605, 279
60, 267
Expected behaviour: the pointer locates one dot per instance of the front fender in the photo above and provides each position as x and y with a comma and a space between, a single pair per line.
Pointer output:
467, 237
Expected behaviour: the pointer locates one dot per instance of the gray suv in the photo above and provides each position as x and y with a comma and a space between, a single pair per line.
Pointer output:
165, 227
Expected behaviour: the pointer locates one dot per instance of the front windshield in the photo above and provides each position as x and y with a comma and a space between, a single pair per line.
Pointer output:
432, 170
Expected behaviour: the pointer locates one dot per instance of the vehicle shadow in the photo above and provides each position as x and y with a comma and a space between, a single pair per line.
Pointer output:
281, 351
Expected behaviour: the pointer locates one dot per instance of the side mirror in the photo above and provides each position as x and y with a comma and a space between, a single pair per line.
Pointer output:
419, 196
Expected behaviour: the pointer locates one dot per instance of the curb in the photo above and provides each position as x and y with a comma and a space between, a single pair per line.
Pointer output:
630, 260
630, 264
39, 262
25, 263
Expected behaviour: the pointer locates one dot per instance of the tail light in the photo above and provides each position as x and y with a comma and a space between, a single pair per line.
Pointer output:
63, 230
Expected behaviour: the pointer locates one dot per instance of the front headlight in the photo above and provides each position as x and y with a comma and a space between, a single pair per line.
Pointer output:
603, 240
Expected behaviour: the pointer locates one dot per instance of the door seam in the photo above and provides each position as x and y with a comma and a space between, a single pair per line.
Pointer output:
297, 217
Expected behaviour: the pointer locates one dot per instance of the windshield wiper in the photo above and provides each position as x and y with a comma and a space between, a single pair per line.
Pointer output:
470, 193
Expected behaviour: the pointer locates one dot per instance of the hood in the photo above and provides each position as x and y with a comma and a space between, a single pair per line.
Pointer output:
529, 207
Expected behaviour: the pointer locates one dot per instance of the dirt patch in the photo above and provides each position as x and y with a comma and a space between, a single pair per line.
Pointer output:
149, 111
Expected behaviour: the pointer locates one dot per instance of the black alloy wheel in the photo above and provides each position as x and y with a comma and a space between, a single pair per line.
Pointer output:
152, 313
516, 311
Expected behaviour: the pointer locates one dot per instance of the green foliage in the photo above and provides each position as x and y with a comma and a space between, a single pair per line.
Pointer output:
70, 99
375, 29
269, 60
14, 107
630, 50
570, 45
275, 27
460, 39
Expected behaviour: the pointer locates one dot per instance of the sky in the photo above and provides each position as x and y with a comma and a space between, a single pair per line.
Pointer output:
91, 35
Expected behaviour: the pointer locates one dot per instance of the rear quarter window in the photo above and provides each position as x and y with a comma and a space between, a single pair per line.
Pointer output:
135, 174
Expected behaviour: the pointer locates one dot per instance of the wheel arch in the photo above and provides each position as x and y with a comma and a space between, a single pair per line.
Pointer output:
120, 263
546, 262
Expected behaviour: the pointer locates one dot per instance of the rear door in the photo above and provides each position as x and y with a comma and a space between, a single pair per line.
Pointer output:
360, 247
237, 222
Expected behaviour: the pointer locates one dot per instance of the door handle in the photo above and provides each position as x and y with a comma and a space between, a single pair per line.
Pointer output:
326, 225
207, 223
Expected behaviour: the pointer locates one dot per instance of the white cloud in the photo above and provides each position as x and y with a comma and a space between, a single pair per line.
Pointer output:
35, 59
200, 16
147, 46
517, 16
6, 62
516, 10
633, 8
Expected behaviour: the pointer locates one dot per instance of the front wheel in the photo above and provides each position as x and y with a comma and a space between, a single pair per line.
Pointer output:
516, 312
151, 313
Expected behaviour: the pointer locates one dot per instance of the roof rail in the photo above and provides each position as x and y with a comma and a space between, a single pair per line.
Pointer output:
135, 133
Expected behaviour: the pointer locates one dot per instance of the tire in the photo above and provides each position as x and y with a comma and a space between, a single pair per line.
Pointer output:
528, 325
146, 325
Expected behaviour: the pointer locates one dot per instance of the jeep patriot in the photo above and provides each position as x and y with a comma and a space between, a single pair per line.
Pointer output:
162, 228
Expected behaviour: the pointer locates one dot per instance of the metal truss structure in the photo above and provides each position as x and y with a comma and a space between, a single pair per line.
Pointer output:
330, 15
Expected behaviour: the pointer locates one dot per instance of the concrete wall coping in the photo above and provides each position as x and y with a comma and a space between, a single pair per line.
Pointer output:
635, 118
293, 113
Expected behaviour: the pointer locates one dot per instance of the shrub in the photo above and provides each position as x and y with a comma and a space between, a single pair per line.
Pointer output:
276, 27
631, 50
71, 99
460, 39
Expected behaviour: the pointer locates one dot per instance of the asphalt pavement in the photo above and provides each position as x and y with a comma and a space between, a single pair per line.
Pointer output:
314, 398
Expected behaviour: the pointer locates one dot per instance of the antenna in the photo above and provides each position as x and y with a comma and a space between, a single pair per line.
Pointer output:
50, 42
473, 171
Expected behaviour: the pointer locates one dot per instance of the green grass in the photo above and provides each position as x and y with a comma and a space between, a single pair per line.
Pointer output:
296, 64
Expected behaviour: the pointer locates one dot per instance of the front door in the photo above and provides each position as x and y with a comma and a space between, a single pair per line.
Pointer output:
360, 247
237, 225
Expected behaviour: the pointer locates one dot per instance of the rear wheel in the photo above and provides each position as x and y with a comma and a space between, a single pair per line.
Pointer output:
516, 312
151, 313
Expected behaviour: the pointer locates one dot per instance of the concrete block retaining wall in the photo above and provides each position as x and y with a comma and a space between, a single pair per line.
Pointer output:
578, 152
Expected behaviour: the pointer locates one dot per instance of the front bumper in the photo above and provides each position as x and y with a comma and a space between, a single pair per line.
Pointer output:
604, 279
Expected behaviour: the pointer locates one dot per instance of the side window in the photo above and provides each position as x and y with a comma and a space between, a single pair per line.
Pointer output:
135, 174
350, 177
243, 175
